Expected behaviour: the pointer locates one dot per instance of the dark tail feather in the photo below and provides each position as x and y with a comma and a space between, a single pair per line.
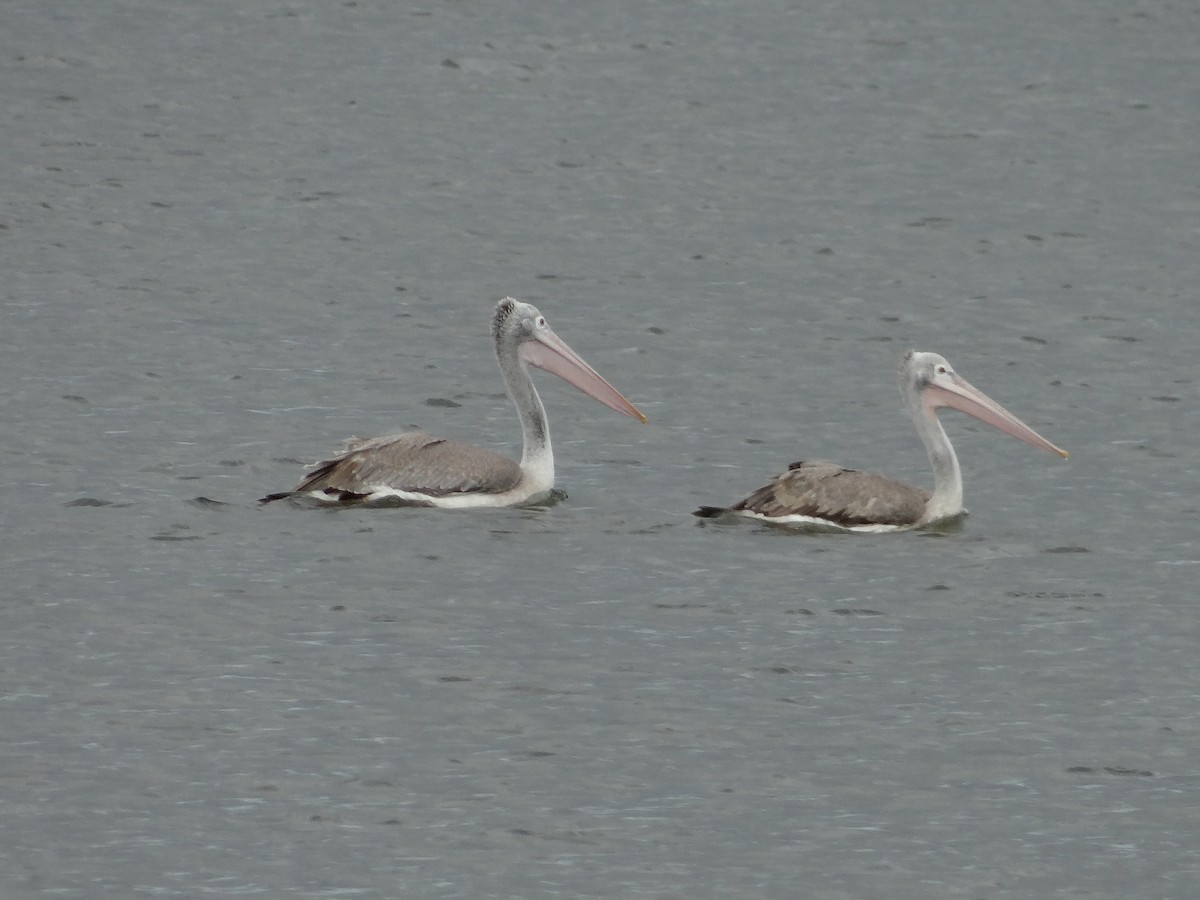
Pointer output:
346, 498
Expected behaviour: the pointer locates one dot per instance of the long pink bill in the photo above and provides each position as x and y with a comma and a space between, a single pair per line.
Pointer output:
550, 352
959, 394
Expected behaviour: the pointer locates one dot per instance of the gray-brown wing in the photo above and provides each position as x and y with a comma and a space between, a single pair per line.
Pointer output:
847, 497
413, 461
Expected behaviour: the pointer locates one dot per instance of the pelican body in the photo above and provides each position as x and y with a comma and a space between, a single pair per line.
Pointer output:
826, 495
417, 469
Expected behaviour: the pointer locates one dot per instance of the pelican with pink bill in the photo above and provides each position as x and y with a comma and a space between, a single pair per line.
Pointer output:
829, 496
416, 469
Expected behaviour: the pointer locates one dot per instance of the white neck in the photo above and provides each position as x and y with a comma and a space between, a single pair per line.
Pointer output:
537, 456
947, 499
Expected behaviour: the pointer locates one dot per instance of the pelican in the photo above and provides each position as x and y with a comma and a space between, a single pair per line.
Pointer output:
819, 493
416, 469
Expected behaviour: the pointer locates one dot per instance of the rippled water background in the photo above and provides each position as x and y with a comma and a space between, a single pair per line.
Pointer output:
233, 233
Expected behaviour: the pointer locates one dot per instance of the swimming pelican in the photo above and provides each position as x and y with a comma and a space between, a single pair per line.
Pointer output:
815, 492
415, 469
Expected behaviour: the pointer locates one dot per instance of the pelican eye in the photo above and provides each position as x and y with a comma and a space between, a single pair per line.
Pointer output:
942, 370
540, 321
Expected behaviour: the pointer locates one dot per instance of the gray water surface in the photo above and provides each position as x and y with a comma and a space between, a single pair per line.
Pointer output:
233, 234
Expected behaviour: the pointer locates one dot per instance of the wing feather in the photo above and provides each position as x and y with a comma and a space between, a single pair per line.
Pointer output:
848, 497
412, 461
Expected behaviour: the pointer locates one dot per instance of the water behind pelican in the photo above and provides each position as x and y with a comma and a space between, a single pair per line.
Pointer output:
234, 234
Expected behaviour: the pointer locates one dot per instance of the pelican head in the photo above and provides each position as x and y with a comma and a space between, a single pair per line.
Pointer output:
929, 382
523, 336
